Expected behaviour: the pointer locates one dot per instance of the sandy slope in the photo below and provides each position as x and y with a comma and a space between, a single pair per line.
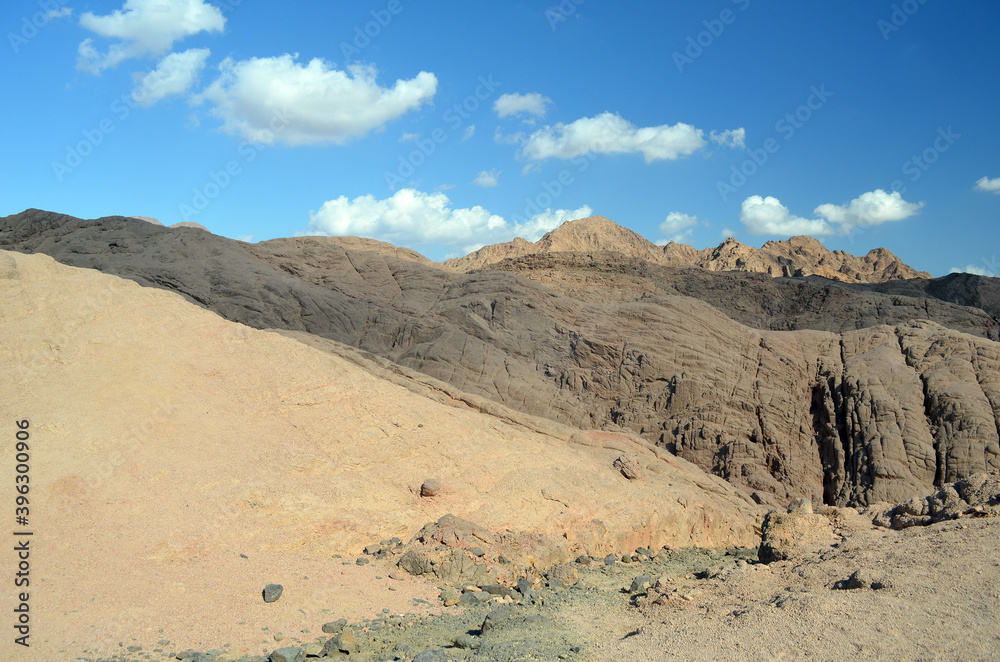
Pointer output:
166, 442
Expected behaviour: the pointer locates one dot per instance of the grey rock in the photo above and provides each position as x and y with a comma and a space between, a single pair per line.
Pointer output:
640, 584
415, 563
466, 641
272, 592
431, 487
334, 627
344, 641
290, 654
498, 589
450, 597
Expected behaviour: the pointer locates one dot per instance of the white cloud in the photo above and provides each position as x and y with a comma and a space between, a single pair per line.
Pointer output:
988, 185
313, 103
145, 27
174, 74
58, 13
973, 269
769, 216
727, 233
872, 208
535, 227
514, 104
676, 221
409, 138
487, 178
411, 217
609, 133
730, 138
677, 227
469, 132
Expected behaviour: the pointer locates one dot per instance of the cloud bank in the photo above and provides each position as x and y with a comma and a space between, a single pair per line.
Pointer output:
766, 215
412, 217
609, 133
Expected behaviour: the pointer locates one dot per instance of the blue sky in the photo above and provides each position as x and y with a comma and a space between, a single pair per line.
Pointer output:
447, 125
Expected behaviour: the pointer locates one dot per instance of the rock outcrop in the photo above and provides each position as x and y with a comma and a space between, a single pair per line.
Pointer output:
798, 256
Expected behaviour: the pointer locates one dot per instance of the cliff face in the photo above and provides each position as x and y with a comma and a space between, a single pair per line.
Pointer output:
866, 396
798, 256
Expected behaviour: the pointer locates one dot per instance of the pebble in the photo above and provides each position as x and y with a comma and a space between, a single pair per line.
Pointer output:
272, 592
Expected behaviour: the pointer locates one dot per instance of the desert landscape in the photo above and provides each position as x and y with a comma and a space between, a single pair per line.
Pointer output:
589, 447
450, 331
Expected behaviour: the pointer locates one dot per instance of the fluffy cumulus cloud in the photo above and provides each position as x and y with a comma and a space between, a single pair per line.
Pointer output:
174, 74
988, 185
278, 99
532, 103
487, 178
412, 217
609, 133
768, 216
677, 227
145, 27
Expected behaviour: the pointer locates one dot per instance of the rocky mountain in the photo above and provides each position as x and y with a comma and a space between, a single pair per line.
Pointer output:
798, 256
784, 386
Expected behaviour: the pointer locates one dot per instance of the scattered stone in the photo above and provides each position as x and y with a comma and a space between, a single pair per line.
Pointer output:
313, 649
334, 627
431, 487
860, 579
563, 574
362, 561
374, 549
583, 560
786, 534
450, 597
629, 467
344, 641
272, 592
290, 654
640, 584
477, 552
278, 636
498, 589
610, 559
494, 619
466, 642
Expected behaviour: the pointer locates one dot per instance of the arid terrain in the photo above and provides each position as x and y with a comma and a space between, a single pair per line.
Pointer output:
589, 447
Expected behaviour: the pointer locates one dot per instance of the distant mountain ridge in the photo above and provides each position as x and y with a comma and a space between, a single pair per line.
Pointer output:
797, 256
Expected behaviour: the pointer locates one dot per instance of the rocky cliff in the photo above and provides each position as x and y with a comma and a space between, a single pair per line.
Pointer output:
866, 396
798, 256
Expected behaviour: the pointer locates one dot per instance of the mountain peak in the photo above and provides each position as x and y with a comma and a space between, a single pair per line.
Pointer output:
800, 255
